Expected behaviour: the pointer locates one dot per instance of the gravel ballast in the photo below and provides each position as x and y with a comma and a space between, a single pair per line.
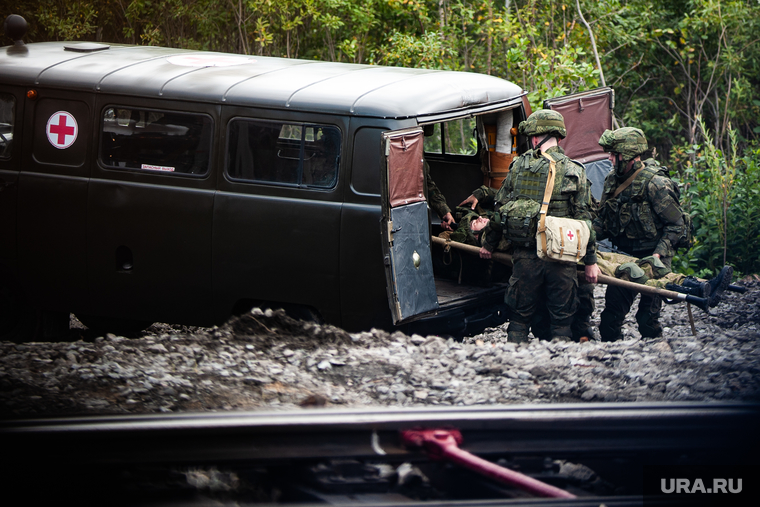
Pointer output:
266, 360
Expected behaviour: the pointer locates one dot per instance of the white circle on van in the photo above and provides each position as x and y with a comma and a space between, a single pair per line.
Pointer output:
204, 60
62, 130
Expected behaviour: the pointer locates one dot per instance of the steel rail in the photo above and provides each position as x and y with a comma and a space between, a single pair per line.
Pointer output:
85, 459
575, 429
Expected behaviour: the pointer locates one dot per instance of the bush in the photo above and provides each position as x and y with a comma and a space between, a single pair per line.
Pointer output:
721, 191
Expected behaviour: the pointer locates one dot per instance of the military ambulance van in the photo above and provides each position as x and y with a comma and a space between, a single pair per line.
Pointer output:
145, 184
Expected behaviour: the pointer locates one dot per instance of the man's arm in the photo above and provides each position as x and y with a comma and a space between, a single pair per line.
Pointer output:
483, 195
491, 236
437, 201
664, 200
581, 208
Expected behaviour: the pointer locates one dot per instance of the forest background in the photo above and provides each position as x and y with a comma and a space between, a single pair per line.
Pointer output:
687, 72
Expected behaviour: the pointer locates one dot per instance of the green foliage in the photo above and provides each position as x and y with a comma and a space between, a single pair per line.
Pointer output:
67, 20
692, 58
679, 68
722, 193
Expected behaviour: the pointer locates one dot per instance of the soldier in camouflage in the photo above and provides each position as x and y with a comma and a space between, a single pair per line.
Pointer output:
437, 201
641, 214
518, 201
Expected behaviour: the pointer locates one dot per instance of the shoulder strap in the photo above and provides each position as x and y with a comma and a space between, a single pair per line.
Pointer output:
547, 199
627, 183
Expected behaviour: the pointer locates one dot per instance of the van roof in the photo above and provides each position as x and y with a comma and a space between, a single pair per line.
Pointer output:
255, 81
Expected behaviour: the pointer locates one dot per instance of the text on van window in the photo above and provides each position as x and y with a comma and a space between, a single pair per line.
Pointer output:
160, 141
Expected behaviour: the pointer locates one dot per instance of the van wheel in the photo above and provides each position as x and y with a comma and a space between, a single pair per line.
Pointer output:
121, 327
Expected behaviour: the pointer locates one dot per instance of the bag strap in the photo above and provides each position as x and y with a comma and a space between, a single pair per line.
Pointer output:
627, 183
547, 198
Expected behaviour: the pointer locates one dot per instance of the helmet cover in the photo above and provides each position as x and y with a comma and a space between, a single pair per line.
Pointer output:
544, 121
629, 142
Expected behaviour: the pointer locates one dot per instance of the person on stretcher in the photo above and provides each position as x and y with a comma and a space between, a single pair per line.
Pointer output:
647, 271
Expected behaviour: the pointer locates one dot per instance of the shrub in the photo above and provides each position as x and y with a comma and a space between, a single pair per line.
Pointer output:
721, 191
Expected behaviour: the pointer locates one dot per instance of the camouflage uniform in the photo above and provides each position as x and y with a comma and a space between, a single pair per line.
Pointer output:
471, 269
463, 233
436, 200
533, 280
644, 219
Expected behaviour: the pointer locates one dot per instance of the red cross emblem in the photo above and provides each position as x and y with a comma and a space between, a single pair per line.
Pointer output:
62, 130
570, 235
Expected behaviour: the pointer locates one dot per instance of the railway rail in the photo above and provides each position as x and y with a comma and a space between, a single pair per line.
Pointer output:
596, 453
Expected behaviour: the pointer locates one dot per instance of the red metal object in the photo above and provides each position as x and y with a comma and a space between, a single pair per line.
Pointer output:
444, 445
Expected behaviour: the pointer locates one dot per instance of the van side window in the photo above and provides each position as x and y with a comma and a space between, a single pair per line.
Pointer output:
303, 155
151, 140
456, 137
7, 108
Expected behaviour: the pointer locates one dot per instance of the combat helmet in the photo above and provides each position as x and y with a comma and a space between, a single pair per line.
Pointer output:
544, 121
629, 142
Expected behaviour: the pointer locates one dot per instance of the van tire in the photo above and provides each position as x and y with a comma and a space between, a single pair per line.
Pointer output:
100, 326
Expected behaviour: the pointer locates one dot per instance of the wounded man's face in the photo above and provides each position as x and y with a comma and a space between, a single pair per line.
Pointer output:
478, 224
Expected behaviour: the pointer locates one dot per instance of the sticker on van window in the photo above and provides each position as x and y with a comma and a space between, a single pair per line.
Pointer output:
157, 168
62, 130
203, 60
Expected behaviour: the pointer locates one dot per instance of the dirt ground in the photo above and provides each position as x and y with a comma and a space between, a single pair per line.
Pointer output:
267, 360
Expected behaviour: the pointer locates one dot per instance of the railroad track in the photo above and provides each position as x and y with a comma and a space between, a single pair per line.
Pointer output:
596, 452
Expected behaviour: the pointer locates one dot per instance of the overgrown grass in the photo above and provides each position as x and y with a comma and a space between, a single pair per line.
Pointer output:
721, 191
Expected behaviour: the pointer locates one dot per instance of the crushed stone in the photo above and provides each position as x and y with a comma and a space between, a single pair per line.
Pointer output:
267, 360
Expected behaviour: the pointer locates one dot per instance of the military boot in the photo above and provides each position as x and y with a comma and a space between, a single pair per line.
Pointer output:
517, 332
649, 325
563, 333
691, 286
583, 333
719, 284
610, 326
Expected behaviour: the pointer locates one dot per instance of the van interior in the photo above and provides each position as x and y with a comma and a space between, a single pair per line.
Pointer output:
461, 154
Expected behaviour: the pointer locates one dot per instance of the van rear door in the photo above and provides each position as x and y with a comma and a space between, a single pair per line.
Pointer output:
405, 227
587, 115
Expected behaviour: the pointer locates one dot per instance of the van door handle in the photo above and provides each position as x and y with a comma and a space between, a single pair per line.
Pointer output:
3, 184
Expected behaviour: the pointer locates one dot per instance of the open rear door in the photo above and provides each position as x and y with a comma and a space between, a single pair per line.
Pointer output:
587, 115
404, 228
